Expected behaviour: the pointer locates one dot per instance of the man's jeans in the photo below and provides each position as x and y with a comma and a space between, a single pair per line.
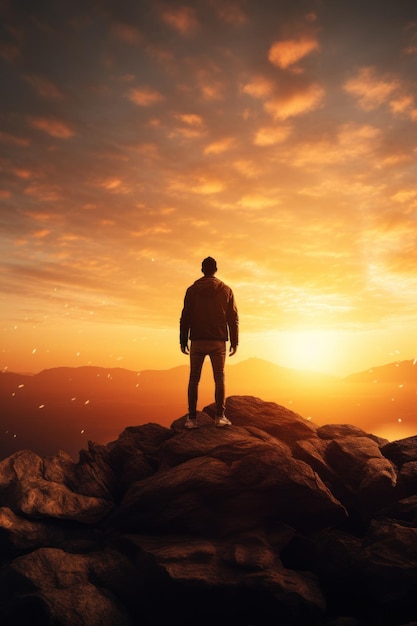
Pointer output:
216, 350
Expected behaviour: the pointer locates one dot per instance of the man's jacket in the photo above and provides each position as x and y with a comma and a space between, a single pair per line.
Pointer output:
209, 312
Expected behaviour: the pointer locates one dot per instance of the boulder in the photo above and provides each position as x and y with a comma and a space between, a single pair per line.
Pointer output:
368, 475
240, 481
50, 586
25, 490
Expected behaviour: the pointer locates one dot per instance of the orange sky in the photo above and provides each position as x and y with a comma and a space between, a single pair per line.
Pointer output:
139, 137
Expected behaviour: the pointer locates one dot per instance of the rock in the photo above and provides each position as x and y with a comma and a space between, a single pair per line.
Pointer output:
241, 481
206, 567
24, 489
52, 586
270, 521
400, 452
366, 472
337, 431
270, 417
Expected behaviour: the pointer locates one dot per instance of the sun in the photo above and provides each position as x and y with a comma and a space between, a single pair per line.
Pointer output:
316, 350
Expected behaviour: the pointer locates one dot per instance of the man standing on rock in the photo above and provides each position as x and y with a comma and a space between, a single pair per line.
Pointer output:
209, 318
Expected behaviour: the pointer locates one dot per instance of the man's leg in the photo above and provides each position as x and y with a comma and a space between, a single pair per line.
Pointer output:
218, 358
197, 357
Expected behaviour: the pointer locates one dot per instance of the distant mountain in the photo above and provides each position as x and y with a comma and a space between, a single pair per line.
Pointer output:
399, 372
62, 408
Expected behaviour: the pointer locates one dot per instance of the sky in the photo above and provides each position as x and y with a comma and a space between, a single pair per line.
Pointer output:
137, 138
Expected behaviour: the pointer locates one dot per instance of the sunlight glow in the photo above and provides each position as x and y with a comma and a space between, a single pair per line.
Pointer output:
312, 349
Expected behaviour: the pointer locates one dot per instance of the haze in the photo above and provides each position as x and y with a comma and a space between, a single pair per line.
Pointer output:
139, 137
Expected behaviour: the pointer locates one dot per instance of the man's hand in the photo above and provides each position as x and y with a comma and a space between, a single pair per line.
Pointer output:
185, 349
232, 350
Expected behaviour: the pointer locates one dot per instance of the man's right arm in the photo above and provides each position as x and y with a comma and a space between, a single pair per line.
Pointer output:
233, 324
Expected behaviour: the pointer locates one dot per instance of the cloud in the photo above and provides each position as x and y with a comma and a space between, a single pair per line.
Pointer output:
191, 119
294, 104
351, 143
271, 135
217, 147
207, 187
182, 19
44, 192
144, 96
404, 105
370, 90
127, 33
44, 87
257, 202
405, 196
286, 53
248, 168
230, 12
112, 184
259, 87
285, 100
52, 126
9, 51
6, 137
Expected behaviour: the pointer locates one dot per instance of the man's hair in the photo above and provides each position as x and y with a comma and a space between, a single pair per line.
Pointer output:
209, 265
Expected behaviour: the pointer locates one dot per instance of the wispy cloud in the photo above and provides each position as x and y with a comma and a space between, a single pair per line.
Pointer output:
144, 96
370, 90
52, 126
44, 87
183, 19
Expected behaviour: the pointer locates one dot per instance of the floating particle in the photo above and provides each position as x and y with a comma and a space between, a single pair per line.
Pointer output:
20, 386
137, 385
34, 350
415, 361
401, 386
41, 406
399, 420
14, 436
82, 431
87, 402
13, 394
73, 399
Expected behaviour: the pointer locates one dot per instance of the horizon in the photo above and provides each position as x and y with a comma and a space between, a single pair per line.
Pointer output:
139, 138
207, 367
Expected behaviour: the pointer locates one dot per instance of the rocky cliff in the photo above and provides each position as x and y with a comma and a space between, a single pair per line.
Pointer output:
274, 521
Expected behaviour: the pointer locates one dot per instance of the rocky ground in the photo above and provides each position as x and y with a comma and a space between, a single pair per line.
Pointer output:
271, 522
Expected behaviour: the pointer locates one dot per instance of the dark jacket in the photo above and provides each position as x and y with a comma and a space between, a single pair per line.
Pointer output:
209, 312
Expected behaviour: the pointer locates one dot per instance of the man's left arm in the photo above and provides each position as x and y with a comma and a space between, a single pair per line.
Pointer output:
233, 324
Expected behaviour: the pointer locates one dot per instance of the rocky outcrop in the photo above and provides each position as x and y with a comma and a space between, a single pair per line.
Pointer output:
271, 521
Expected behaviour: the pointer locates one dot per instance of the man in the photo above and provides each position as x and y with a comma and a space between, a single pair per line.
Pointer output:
209, 318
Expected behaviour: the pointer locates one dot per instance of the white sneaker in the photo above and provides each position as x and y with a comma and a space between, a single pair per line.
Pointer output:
191, 423
222, 421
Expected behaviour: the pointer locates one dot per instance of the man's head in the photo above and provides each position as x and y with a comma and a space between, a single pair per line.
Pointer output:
209, 266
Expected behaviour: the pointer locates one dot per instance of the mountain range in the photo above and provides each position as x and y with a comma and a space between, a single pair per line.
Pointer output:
63, 408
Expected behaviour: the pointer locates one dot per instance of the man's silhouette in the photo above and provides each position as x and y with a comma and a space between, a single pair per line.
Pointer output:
209, 318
